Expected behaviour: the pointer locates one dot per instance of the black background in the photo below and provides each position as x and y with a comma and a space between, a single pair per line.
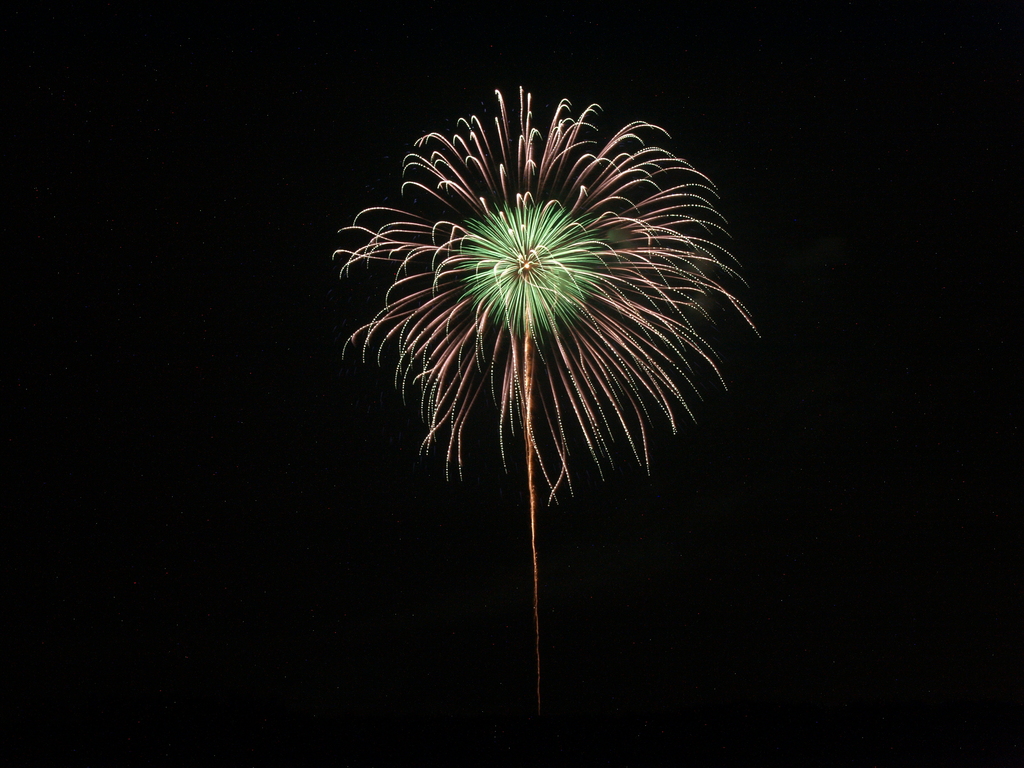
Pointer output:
210, 513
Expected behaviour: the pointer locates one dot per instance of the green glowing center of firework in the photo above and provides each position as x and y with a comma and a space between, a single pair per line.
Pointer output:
532, 266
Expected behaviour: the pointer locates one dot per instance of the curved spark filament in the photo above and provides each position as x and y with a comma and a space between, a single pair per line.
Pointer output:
613, 267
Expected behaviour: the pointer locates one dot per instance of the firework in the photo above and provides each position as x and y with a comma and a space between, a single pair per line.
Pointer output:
564, 278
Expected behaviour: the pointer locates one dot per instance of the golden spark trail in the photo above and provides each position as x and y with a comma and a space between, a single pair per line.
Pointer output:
528, 363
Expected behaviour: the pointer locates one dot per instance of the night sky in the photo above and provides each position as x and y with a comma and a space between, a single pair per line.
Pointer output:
207, 505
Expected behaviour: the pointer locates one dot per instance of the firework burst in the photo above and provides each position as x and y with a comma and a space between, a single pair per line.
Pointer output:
566, 280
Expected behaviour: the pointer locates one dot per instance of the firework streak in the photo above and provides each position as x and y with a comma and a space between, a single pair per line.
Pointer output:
564, 277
